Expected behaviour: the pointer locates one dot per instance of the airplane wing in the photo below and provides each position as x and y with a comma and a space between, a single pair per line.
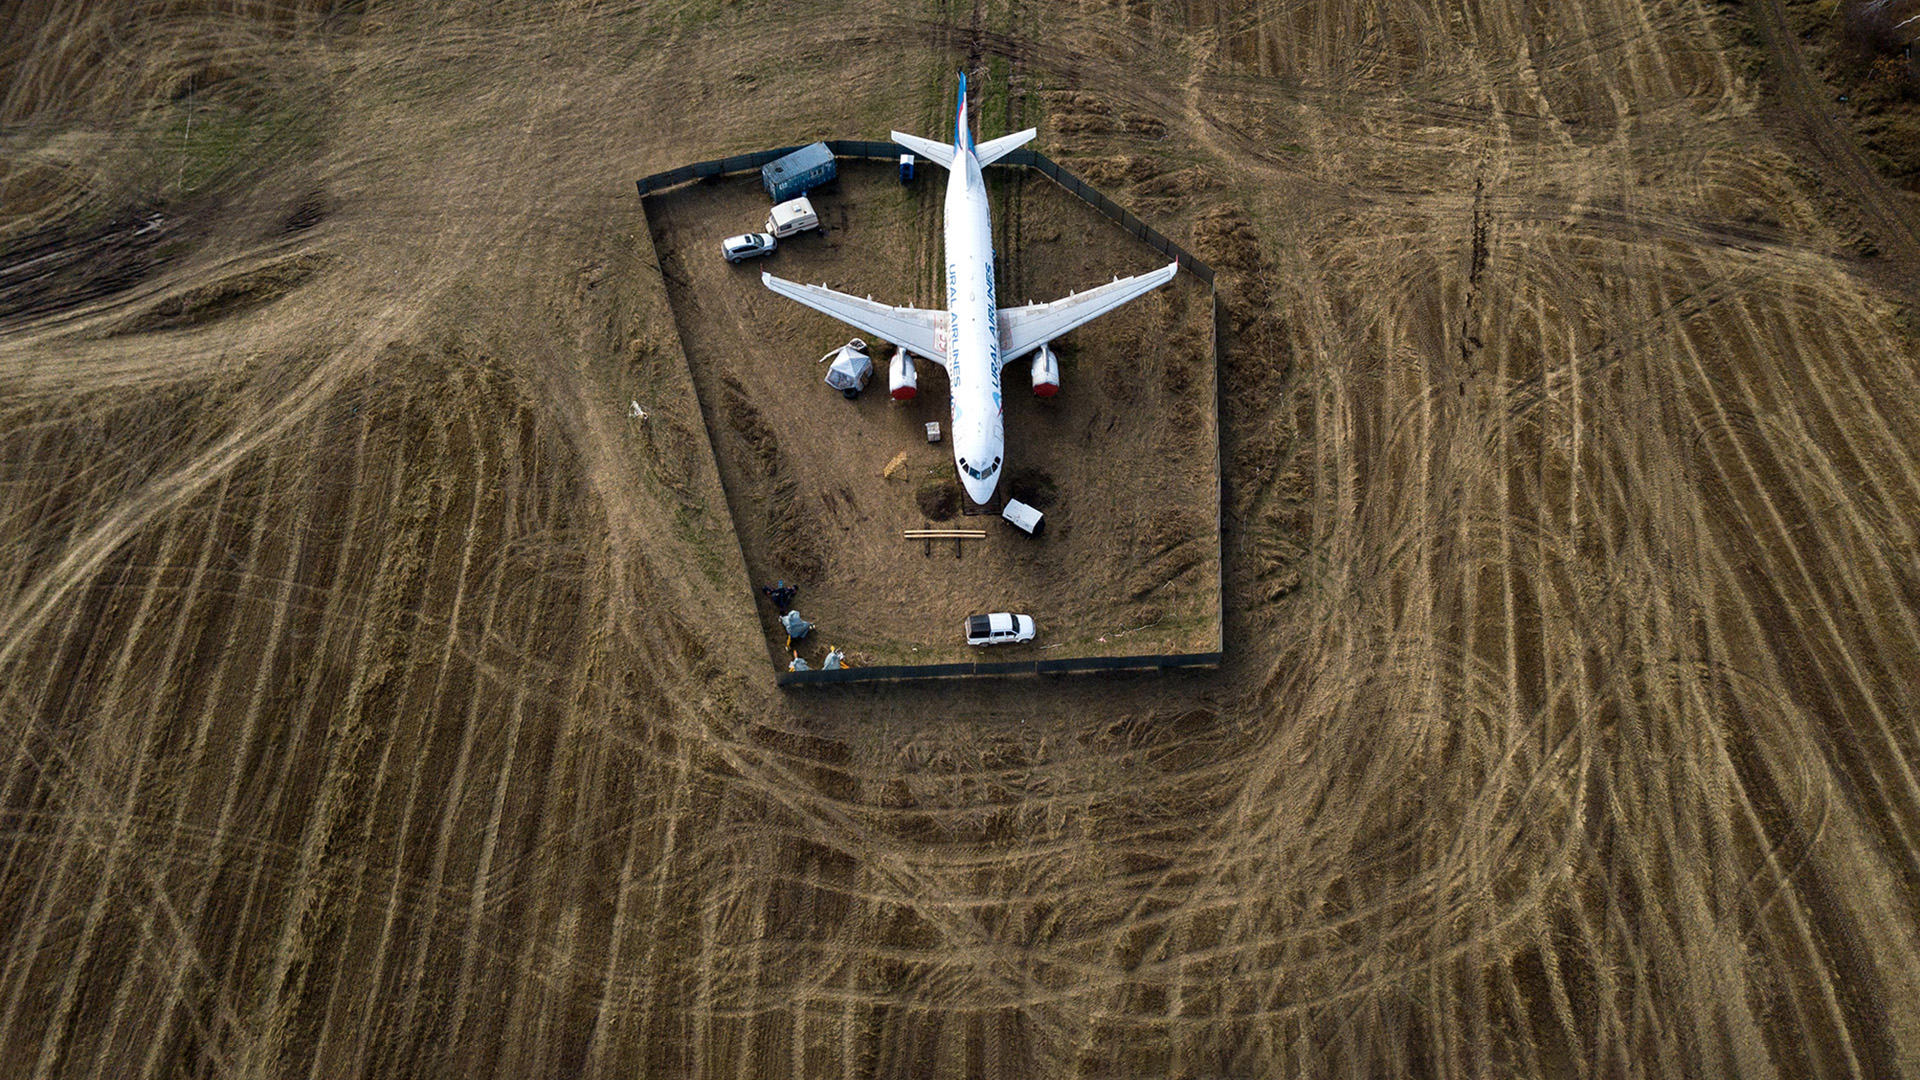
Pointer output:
923, 332
1024, 329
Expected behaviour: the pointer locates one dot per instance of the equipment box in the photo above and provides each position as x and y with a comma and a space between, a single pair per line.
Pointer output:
1024, 517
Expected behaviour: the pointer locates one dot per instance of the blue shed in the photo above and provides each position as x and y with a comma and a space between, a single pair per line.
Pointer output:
792, 176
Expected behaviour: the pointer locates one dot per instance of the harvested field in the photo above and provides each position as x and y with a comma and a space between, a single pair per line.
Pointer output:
1122, 461
382, 700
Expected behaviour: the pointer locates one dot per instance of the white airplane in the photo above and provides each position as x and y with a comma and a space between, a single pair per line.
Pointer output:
974, 339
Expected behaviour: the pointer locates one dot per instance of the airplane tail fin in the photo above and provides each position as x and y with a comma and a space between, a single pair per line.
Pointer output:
962, 130
948, 154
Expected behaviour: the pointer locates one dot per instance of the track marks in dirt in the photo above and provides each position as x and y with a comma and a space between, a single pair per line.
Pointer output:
1548, 523
205, 666
1578, 743
1582, 468
1893, 220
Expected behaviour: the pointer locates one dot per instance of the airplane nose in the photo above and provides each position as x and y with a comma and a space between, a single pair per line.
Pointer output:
978, 490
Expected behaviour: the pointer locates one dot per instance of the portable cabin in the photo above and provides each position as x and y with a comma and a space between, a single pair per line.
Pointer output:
798, 172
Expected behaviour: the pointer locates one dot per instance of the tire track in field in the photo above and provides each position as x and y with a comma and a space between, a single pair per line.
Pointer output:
109, 835
1671, 396
1515, 490
1894, 225
1901, 801
1673, 617
417, 775
84, 557
1801, 932
498, 816
1519, 782
335, 810
124, 832
124, 998
491, 589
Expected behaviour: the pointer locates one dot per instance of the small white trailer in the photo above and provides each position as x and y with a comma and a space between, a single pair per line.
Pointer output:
792, 216
1024, 517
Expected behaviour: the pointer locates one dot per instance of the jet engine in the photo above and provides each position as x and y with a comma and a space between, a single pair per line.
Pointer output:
1046, 373
902, 383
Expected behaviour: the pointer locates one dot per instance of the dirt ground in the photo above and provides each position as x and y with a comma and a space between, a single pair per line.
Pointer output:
381, 700
1123, 466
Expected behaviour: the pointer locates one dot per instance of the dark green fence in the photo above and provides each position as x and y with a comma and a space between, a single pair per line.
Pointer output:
703, 169
1003, 667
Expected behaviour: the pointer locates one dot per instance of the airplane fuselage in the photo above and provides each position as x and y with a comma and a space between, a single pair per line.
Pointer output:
973, 332
970, 339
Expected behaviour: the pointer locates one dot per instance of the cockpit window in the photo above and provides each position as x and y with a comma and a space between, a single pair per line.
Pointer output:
980, 474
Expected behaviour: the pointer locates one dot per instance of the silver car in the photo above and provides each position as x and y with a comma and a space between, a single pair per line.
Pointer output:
746, 246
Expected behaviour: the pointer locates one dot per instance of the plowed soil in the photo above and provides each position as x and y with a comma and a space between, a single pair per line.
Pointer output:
380, 699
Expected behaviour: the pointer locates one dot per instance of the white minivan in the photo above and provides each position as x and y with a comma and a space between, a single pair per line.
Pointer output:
999, 628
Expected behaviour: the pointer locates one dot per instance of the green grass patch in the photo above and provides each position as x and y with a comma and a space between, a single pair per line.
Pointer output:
936, 113
697, 529
995, 103
201, 148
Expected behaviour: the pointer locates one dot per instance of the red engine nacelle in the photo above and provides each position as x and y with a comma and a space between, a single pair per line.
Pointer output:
902, 382
1046, 373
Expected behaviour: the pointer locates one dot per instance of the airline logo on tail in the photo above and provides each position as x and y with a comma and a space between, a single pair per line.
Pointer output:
962, 132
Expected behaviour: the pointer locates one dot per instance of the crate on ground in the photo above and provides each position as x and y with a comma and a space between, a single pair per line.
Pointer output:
1023, 517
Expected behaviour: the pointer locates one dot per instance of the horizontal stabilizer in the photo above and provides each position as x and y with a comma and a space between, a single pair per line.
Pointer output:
994, 149
937, 152
917, 329
1024, 329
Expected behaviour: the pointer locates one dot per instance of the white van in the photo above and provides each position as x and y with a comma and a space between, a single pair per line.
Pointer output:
792, 216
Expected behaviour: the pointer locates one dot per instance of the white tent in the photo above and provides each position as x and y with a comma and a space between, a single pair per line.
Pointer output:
851, 367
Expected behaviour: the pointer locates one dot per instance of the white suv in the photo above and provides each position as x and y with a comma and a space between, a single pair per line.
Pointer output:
746, 246
999, 628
